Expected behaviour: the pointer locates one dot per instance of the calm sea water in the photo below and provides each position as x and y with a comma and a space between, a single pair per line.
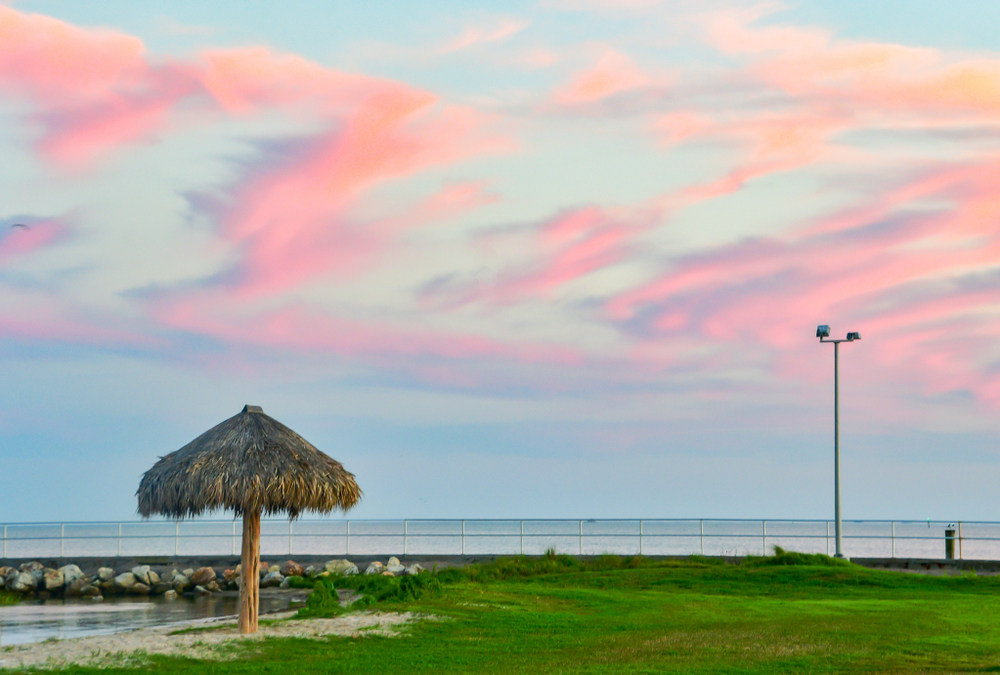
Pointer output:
34, 621
339, 538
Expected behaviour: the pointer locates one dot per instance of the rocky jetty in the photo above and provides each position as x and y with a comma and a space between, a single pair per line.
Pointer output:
33, 579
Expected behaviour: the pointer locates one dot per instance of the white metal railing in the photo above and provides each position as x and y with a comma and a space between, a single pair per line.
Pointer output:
876, 539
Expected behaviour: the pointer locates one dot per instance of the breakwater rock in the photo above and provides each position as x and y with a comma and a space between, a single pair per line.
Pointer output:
33, 579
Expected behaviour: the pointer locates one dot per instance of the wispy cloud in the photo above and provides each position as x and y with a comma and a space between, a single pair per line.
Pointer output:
498, 30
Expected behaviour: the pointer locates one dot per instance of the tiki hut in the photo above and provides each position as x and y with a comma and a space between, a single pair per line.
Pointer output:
248, 464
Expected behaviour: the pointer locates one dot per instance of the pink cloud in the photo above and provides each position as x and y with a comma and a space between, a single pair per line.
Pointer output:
569, 246
613, 73
300, 329
17, 241
477, 35
293, 222
892, 271
730, 31
55, 60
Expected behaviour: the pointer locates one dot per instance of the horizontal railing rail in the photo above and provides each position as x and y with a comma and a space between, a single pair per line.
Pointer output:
924, 539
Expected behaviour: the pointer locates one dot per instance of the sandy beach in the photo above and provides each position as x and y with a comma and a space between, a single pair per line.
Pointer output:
222, 642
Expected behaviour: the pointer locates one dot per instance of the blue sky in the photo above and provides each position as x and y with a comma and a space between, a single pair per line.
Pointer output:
540, 259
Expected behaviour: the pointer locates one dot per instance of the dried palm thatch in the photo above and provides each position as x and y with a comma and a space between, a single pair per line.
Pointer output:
251, 462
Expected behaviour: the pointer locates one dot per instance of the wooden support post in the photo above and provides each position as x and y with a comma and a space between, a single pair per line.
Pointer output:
250, 573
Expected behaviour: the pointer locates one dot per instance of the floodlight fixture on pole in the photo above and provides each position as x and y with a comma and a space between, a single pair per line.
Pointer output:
823, 333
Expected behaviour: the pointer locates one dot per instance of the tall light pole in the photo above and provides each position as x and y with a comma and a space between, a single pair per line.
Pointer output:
823, 333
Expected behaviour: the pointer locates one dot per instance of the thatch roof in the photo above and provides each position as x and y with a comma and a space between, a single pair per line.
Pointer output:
249, 462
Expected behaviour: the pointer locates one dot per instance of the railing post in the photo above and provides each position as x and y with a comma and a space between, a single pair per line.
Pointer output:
894, 539
463, 537
703, 536
828, 537
960, 540
62, 541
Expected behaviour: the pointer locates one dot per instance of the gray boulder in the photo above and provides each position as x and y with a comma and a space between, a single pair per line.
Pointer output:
343, 566
392, 562
375, 568
106, 574
413, 569
285, 583
154, 578
141, 573
139, 588
71, 573
75, 589
161, 588
188, 573
22, 582
90, 591
6, 571
201, 590
125, 581
53, 580
272, 579
33, 566
311, 571
395, 570
170, 595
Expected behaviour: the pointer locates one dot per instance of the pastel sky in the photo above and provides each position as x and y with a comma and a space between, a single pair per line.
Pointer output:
561, 258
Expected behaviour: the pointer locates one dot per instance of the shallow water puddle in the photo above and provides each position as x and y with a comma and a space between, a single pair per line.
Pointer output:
37, 620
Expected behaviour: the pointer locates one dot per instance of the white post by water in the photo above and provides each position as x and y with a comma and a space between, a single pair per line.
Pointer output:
894, 539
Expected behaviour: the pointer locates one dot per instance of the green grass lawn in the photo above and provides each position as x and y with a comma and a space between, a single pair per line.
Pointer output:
8, 598
615, 615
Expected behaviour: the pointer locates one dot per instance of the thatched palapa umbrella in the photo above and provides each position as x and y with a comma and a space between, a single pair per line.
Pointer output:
249, 463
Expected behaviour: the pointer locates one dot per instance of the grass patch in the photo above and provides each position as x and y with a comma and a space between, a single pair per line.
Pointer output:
8, 598
787, 613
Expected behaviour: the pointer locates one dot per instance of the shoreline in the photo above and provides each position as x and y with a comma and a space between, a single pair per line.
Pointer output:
222, 643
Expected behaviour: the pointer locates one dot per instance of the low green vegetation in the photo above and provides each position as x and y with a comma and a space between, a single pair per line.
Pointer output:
8, 598
787, 613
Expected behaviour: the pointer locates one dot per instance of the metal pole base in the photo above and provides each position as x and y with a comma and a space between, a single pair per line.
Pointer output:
841, 556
